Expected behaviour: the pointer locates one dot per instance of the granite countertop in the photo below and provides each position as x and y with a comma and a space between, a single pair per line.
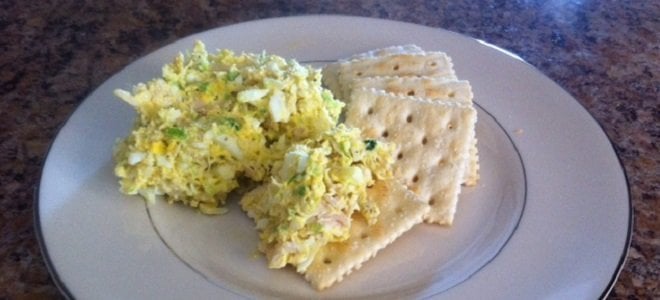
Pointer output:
54, 53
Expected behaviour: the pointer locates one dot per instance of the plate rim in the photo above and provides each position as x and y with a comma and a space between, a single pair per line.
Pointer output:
61, 285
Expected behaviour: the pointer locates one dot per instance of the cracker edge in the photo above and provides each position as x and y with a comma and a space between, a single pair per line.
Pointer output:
415, 211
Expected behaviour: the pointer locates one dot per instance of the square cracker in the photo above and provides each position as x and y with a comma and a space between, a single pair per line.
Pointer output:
331, 71
433, 140
431, 88
434, 64
400, 210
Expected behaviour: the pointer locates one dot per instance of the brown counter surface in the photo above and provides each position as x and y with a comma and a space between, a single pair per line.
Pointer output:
605, 53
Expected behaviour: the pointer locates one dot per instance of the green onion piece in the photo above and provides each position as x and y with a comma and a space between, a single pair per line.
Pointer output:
230, 122
371, 144
175, 133
301, 191
231, 75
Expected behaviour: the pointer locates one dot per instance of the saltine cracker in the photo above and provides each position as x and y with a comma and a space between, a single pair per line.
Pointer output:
400, 210
436, 64
430, 88
331, 71
433, 140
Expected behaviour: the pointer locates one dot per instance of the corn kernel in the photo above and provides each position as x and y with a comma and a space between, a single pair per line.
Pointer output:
158, 148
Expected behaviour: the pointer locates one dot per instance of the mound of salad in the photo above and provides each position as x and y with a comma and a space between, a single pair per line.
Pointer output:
211, 120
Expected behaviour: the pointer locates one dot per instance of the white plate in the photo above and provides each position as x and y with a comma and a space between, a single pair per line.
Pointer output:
550, 217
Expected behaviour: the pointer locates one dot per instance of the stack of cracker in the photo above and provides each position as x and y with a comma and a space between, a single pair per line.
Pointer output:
404, 95
412, 97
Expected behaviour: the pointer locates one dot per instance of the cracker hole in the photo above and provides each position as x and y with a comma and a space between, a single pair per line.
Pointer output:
441, 161
411, 93
370, 111
424, 141
432, 201
399, 156
433, 64
452, 95
364, 235
409, 119
415, 179
358, 73
398, 210
395, 68
385, 134
327, 261
450, 126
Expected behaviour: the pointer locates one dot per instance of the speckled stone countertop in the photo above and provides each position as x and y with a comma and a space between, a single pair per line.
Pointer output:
54, 53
